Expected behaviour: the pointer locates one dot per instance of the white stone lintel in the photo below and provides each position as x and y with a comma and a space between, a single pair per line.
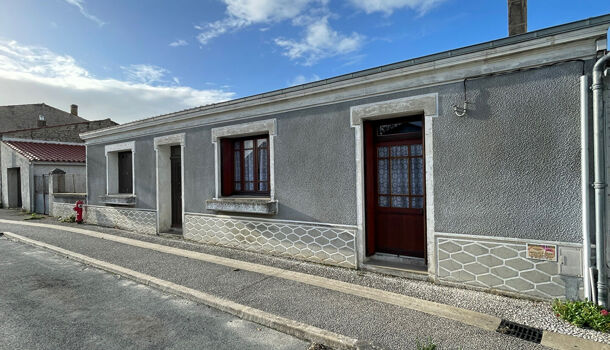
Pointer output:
245, 129
123, 146
169, 140
412, 105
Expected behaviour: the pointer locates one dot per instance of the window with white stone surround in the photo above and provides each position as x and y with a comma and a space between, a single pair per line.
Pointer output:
120, 173
260, 199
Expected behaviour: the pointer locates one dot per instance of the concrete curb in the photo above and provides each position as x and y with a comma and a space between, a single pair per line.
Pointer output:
284, 325
472, 318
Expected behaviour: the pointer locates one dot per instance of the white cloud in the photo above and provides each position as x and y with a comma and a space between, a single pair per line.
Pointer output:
145, 73
389, 6
35, 74
243, 13
301, 79
179, 42
81, 8
320, 41
217, 28
263, 11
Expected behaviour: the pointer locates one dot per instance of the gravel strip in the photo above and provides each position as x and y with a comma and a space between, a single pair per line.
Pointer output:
532, 313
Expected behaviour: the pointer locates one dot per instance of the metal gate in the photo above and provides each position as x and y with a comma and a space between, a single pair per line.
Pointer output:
41, 194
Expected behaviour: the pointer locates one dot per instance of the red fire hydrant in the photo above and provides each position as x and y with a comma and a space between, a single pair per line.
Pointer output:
78, 208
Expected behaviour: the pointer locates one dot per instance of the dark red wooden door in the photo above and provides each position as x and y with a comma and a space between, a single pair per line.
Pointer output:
396, 193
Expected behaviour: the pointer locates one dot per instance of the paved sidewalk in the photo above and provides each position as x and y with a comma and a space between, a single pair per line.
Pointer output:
49, 302
362, 318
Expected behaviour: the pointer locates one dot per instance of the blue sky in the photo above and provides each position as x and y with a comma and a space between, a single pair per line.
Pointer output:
129, 60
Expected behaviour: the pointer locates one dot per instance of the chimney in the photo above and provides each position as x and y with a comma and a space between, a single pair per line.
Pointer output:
517, 17
74, 110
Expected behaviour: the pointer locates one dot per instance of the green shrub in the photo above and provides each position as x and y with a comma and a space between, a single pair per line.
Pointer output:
583, 314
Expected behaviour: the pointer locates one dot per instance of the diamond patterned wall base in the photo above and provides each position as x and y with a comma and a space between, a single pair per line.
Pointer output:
322, 244
138, 220
498, 265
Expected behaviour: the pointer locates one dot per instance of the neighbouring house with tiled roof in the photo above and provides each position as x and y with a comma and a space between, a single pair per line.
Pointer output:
35, 135
26, 167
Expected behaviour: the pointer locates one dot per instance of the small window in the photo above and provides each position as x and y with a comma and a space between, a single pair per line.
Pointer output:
245, 166
125, 172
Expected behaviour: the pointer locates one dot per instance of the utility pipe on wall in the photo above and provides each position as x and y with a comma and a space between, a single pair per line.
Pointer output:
599, 153
584, 161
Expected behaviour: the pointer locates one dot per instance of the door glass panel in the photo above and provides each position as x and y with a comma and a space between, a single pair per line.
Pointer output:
382, 152
417, 176
261, 143
400, 202
249, 186
416, 150
400, 173
400, 151
417, 202
248, 144
236, 144
382, 176
237, 186
384, 201
262, 186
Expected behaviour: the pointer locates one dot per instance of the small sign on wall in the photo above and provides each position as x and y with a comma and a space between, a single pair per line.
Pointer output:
542, 252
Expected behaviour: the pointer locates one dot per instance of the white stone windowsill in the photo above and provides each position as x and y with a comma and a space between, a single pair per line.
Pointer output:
69, 194
119, 199
252, 205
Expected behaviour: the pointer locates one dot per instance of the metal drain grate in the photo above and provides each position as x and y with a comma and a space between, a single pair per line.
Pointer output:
520, 331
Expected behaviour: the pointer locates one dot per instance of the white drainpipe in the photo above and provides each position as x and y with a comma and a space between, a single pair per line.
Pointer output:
599, 165
585, 185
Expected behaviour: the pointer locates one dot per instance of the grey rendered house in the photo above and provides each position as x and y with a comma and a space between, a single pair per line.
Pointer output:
462, 167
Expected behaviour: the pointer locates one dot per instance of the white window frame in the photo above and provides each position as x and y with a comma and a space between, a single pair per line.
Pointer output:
112, 166
268, 126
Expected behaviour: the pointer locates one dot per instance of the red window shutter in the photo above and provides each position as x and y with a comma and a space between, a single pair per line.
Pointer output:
226, 160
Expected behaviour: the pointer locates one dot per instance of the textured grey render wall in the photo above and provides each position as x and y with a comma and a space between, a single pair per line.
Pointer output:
510, 168
96, 173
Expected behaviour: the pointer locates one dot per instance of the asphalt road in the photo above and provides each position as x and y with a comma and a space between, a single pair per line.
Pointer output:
48, 302
369, 320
